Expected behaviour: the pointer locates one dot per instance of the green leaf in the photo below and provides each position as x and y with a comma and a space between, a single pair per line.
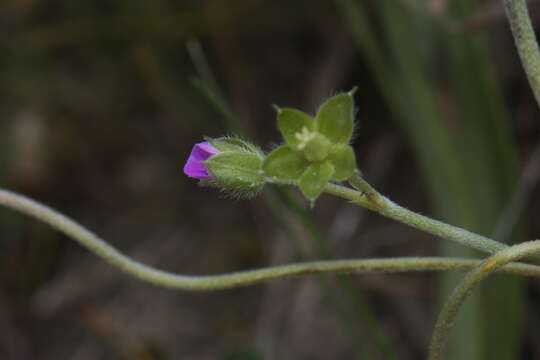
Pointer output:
285, 163
292, 122
238, 172
344, 161
335, 118
315, 178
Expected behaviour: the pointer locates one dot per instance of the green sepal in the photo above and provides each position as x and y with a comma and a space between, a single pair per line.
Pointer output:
344, 161
315, 178
225, 144
335, 118
237, 172
292, 122
285, 163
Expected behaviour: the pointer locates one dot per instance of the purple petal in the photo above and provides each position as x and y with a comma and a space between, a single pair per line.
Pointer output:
200, 152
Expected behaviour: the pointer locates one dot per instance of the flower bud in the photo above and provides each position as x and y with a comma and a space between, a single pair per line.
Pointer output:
230, 164
194, 166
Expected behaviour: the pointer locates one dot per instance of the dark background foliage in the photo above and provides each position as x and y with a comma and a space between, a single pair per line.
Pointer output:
101, 102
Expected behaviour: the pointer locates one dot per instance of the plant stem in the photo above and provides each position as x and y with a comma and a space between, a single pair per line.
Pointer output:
421, 222
523, 32
465, 288
157, 277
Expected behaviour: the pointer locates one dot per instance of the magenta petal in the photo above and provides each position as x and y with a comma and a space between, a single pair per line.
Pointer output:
200, 152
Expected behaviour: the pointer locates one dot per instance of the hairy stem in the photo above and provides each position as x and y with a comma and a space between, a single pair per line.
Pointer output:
523, 32
465, 288
100, 248
394, 211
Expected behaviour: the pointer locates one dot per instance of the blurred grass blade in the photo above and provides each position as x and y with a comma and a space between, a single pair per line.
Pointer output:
356, 298
278, 207
469, 185
491, 167
207, 85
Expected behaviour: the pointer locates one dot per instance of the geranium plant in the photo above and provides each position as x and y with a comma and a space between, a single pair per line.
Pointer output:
316, 156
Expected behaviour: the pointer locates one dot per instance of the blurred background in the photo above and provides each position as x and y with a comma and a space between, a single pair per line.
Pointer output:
101, 102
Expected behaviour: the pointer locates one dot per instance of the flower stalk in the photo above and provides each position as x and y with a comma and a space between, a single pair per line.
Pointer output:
394, 211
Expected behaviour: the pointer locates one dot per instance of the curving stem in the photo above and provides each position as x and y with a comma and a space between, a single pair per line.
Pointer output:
158, 277
465, 288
